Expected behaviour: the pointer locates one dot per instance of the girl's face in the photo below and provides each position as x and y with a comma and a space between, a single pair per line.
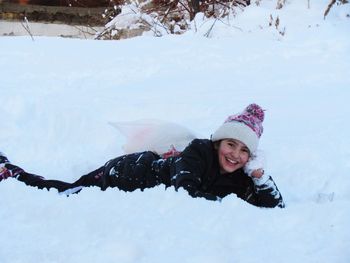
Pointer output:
233, 155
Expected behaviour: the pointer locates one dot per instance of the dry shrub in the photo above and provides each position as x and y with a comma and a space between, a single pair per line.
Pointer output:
333, 2
172, 16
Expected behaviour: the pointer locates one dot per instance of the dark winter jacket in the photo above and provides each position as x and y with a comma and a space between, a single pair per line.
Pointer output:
196, 170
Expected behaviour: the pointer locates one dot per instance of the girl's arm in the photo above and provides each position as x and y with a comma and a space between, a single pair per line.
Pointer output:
266, 193
188, 170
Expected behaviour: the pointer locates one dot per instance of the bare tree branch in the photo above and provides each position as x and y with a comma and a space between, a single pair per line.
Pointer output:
26, 27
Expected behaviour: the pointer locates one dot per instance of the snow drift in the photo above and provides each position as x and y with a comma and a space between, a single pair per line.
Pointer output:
58, 96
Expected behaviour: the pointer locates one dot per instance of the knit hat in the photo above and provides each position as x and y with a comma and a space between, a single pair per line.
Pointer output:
245, 127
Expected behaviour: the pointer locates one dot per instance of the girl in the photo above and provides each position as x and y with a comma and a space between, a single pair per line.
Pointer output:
211, 169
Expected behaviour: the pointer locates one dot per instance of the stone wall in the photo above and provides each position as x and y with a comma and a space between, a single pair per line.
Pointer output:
75, 3
53, 14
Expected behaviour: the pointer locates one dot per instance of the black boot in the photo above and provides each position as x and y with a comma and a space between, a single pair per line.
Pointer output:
4, 172
7, 169
3, 159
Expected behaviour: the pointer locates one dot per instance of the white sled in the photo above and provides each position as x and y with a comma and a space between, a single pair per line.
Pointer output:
158, 136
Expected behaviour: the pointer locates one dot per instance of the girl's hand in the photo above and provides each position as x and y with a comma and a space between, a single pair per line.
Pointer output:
255, 166
258, 173
254, 169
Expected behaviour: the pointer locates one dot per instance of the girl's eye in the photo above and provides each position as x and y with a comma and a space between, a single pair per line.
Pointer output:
245, 150
232, 145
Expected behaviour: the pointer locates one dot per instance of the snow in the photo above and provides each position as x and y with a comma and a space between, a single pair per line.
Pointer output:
14, 28
58, 97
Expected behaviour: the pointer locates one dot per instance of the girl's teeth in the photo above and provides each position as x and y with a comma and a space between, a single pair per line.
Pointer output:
231, 161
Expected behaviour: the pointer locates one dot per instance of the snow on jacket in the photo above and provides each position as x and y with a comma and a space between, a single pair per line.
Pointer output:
196, 170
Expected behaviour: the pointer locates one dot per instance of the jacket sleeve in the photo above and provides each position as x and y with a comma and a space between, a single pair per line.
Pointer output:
266, 194
188, 170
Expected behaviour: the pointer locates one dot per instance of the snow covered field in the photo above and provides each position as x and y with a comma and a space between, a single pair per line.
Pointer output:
14, 28
58, 95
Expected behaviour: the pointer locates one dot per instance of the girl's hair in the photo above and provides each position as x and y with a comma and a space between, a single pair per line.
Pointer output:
216, 144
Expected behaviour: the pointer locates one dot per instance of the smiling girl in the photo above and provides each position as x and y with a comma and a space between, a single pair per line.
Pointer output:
212, 169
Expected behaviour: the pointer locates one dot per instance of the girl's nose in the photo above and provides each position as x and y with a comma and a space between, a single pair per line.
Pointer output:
235, 153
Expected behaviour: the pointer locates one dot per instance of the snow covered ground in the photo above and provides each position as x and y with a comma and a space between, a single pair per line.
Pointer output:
14, 28
58, 95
